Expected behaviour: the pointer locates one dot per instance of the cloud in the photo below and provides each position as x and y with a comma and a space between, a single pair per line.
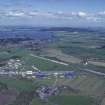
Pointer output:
82, 14
94, 17
15, 14
12, 13
101, 13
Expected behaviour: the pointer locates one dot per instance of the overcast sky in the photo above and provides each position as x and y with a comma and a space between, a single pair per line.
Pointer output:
78, 13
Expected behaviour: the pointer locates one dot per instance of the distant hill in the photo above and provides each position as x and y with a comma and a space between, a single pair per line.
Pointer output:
69, 29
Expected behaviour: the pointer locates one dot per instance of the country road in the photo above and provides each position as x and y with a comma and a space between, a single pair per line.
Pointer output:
54, 61
95, 72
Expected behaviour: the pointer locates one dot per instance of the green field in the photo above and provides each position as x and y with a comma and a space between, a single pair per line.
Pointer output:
72, 100
66, 100
80, 44
29, 61
77, 45
18, 84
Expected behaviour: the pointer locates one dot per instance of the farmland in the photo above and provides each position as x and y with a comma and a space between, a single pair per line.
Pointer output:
70, 51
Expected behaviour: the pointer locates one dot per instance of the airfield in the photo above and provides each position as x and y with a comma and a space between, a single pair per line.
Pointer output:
88, 86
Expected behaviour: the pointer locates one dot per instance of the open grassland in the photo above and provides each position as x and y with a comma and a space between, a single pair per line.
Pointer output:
89, 88
86, 85
61, 56
90, 84
80, 44
28, 60
66, 100
37, 101
74, 47
72, 100
18, 84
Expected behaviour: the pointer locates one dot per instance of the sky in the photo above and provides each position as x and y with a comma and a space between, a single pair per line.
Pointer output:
76, 13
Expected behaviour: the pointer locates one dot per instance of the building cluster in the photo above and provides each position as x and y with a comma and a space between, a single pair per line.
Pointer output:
39, 74
14, 63
50, 74
14, 67
46, 91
